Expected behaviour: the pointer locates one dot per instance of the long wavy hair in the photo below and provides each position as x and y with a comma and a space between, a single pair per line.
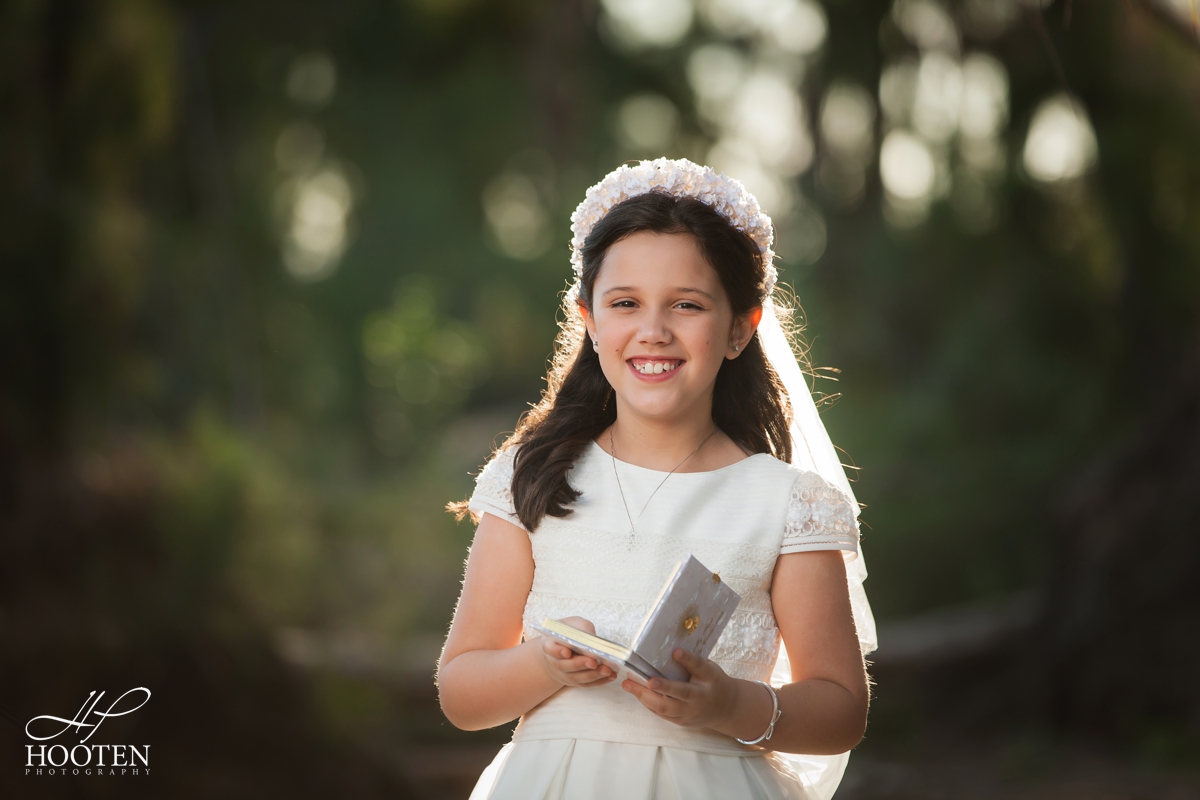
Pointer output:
749, 402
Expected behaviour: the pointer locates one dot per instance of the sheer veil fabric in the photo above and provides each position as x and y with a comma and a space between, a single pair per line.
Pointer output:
813, 450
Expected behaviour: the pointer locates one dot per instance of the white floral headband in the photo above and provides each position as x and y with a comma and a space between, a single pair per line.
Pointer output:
678, 178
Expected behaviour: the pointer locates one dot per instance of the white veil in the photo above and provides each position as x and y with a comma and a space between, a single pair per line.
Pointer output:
813, 450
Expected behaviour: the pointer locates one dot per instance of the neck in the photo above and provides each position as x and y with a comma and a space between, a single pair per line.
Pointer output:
657, 443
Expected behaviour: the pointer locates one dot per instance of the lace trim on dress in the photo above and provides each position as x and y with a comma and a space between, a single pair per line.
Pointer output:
495, 481
819, 517
493, 488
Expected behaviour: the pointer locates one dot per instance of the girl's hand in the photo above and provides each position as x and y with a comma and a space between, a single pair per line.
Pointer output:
706, 700
567, 667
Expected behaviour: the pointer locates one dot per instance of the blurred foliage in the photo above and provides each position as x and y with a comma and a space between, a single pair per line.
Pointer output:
301, 263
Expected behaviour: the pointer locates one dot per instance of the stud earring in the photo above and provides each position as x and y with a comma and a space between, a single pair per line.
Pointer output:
596, 345
737, 347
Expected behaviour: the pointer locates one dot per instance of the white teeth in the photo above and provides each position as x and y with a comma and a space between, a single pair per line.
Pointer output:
654, 367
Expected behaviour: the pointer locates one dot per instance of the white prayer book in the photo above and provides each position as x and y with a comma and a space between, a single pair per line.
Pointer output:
691, 611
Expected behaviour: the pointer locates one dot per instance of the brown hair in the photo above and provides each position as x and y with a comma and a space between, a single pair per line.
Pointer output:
749, 403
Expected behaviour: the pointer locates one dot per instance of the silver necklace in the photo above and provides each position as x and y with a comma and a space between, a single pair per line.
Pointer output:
612, 446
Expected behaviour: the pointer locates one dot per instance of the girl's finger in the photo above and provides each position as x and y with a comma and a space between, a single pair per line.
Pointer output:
600, 679
578, 664
569, 659
697, 666
663, 706
640, 692
585, 677
555, 650
677, 689
633, 687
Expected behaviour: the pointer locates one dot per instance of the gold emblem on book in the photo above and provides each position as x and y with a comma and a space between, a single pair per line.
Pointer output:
690, 620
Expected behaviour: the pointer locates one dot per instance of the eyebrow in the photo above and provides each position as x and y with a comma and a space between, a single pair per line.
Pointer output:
680, 289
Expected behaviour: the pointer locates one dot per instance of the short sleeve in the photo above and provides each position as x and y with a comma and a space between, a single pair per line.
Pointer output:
493, 489
820, 517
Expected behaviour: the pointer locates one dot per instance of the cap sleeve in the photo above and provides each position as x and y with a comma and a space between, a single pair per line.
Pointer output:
820, 517
493, 489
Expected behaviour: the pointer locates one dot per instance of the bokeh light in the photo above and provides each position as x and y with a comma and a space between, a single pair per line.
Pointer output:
984, 109
848, 121
847, 124
898, 90
647, 123
988, 19
927, 24
637, 24
938, 97
1061, 144
906, 166
798, 26
312, 79
769, 115
802, 233
795, 26
909, 171
318, 233
715, 72
515, 216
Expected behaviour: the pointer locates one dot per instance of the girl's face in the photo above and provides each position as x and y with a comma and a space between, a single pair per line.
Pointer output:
664, 324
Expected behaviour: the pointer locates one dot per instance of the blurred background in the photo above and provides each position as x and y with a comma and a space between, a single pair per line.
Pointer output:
278, 276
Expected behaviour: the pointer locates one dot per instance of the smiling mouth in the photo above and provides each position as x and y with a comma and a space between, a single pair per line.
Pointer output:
655, 366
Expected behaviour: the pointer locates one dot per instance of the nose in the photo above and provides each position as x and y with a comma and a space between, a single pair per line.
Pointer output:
654, 328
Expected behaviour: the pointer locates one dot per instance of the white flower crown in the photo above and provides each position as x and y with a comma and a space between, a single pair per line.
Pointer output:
678, 178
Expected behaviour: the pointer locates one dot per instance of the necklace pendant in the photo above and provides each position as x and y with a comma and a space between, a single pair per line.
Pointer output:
612, 446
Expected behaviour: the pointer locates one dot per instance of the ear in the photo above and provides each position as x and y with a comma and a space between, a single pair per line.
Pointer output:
588, 322
743, 331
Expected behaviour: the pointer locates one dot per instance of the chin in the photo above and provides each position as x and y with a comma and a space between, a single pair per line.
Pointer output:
655, 407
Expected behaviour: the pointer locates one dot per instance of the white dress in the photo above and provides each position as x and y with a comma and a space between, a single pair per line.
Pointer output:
584, 743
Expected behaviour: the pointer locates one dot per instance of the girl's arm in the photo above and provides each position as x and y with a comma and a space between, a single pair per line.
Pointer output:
486, 675
824, 709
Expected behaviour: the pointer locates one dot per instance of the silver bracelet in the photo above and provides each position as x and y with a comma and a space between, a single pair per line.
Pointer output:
776, 713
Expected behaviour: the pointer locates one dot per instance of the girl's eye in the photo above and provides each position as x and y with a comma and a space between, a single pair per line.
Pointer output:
687, 305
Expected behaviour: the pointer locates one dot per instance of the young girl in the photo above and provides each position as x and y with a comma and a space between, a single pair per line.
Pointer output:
676, 421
